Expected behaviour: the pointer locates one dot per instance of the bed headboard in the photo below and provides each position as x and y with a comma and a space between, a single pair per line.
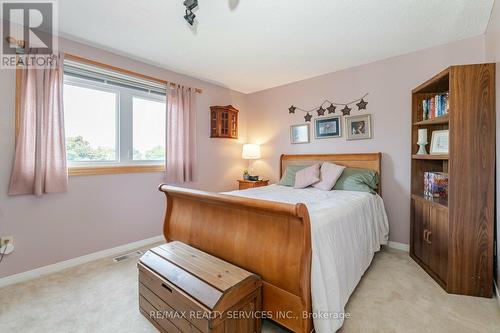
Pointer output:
371, 161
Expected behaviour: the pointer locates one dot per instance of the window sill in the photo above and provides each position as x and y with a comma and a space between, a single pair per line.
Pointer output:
112, 169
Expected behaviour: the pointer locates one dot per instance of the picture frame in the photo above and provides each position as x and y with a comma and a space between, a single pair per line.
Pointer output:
299, 133
328, 127
440, 142
358, 127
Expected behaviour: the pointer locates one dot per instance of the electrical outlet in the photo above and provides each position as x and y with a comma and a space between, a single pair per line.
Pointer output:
6, 240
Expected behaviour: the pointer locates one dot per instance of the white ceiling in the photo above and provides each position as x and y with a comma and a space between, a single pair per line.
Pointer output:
251, 45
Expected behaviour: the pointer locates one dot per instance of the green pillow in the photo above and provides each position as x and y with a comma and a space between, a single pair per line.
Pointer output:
288, 178
353, 179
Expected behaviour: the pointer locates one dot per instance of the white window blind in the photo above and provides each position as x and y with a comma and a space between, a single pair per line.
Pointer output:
99, 74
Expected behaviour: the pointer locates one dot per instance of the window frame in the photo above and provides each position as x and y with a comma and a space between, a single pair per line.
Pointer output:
124, 122
124, 162
77, 82
148, 97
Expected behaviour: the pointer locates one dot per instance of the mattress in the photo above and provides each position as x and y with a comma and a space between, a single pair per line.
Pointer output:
347, 229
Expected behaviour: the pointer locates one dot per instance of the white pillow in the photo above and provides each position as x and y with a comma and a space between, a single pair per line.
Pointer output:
307, 176
329, 174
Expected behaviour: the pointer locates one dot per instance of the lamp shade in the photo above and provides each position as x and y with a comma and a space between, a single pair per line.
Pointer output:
250, 152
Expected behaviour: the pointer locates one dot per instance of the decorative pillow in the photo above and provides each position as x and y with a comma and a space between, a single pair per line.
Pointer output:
288, 178
329, 174
307, 176
353, 179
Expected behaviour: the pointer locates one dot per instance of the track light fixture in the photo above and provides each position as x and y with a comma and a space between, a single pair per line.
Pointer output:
189, 17
190, 5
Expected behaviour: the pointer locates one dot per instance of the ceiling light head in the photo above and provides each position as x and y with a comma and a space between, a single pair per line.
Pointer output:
189, 17
191, 4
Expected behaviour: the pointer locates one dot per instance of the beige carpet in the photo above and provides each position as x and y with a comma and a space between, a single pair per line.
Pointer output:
395, 295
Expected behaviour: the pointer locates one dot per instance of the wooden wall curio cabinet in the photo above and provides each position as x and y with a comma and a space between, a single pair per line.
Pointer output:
223, 122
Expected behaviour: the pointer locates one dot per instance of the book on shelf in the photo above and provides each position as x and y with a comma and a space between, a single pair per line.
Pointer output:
436, 106
436, 184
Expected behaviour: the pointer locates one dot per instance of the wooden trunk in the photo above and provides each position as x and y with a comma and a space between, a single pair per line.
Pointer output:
182, 289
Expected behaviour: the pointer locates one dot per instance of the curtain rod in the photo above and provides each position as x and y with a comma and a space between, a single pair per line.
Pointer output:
124, 71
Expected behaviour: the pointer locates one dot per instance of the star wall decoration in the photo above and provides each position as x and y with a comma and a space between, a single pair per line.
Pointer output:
331, 108
346, 111
362, 104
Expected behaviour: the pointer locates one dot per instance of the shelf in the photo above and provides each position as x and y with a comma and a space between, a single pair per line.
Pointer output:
435, 121
438, 84
429, 157
438, 201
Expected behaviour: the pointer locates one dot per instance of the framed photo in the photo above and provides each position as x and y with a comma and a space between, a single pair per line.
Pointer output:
327, 128
358, 127
299, 133
439, 142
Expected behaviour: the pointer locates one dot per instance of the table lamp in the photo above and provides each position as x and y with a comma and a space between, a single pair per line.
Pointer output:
251, 152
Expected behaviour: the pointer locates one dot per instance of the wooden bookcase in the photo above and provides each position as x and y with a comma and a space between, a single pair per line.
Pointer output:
452, 238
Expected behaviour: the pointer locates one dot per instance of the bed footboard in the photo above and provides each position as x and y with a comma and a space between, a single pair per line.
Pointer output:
268, 238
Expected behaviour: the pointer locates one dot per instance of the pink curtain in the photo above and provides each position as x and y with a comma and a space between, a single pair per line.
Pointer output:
40, 158
180, 153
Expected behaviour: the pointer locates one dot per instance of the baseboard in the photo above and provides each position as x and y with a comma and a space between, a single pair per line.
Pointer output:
497, 292
35, 273
399, 246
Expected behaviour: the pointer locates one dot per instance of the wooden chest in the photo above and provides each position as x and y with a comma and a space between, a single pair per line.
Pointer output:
182, 289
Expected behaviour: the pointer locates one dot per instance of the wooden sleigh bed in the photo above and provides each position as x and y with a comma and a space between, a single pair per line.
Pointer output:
268, 238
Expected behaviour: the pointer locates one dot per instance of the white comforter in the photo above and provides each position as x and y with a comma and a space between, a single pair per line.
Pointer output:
347, 229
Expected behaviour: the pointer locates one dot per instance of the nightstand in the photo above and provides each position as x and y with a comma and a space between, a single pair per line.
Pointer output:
244, 184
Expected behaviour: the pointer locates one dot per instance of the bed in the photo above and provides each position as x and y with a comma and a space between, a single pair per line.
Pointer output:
268, 231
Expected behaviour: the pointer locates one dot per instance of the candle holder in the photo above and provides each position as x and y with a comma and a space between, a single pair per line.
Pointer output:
422, 141
421, 149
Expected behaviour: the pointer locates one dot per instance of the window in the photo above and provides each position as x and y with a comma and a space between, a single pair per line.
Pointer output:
149, 120
112, 120
87, 139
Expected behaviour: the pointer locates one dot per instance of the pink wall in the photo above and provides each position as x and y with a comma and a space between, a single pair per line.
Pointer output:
493, 55
389, 83
100, 212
